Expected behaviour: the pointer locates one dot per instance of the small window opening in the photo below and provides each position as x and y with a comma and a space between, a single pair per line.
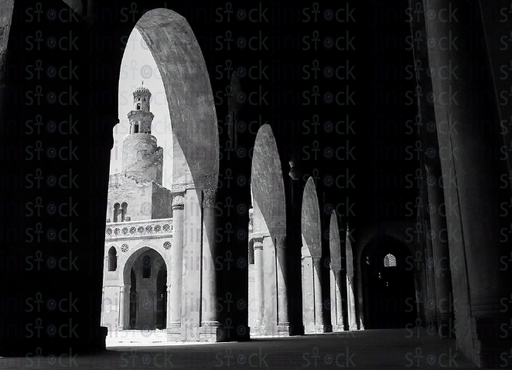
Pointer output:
389, 261
112, 259
124, 208
116, 211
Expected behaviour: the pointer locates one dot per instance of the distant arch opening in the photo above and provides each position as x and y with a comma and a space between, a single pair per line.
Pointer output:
148, 292
390, 261
388, 285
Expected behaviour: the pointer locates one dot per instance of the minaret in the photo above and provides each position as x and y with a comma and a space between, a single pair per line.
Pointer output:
142, 158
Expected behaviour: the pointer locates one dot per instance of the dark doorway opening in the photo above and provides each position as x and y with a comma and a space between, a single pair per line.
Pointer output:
388, 282
148, 292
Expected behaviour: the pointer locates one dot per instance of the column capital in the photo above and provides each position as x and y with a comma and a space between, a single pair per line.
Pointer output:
178, 202
209, 197
281, 241
258, 243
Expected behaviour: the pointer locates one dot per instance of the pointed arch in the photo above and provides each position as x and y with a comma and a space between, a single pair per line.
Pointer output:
181, 64
269, 227
267, 184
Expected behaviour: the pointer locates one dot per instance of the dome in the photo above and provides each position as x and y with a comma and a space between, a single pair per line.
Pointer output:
141, 90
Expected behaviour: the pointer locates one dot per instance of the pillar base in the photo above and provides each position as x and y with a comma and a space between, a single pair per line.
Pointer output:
257, 331
337, 328
491, 342
174, 332
212, 331
284, 330
323, 329
318, 329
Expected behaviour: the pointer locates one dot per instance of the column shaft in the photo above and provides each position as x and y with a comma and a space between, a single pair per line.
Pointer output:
259, 283
209, 284
338, 317
317, 288
169, 307
174, 300
282, 287
210, 325
124, 307
441, 251
472, 191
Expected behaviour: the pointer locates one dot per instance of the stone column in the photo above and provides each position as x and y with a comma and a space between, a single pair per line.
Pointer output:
317, 293
259, 284
124, 307
308, 293
295, 243
176, 273
269, 325
468, 130
193, 231
282, 287
209, 315
439, 237
351, 302
168, 308
430, 303
336, 300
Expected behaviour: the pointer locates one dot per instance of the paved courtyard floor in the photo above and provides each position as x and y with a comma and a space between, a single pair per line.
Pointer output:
369, 349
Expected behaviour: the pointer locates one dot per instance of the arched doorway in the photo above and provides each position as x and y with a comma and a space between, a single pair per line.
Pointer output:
148, 299
388, 283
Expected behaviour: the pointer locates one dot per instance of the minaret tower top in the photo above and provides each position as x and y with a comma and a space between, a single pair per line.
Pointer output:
142, 158
140, 117
141, 97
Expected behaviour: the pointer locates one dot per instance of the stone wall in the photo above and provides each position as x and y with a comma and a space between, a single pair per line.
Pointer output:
161, 202
138, 196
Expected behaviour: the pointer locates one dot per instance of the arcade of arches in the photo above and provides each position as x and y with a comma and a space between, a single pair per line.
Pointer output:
250, 240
